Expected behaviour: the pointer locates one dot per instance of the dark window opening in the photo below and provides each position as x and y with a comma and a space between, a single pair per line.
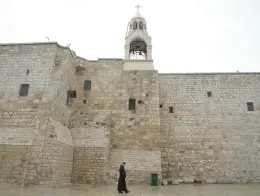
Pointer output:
161, 105
84, 101
70, 96
140, 101
24, 88
141, 25
138, 49
209, 93
28, 71
170, 109
73, 94
250, 106
135, 25
87, 85
131, 105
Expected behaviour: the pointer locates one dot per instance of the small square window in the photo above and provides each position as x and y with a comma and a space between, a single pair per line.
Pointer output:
161, 105
140, 102
209, 93
87, 85
24, 90
131, 104
84, 101
250, 106
170, 109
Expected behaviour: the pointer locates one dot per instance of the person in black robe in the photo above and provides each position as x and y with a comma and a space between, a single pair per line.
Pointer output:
121, 182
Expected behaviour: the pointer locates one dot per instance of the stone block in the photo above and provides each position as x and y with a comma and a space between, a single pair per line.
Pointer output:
164, 182
188, 181
226, 181
210, 181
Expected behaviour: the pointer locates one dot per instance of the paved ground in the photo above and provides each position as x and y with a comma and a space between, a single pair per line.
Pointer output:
179, 190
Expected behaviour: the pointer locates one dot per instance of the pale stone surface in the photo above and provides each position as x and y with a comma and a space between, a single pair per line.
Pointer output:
210, 138
140, 164
138, 65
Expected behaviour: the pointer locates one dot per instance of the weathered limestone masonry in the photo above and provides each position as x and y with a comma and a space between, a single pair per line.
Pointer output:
102, 122
36, 146
65, 119
61, 132
137, 132
91, 120
44, 141
211, 138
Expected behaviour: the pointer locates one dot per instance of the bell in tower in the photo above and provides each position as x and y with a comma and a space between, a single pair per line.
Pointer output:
138, 44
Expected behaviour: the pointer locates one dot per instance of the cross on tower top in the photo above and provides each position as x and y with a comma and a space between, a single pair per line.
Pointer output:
137, 7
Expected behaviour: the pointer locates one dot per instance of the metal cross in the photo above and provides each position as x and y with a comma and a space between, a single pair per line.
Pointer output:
137, 7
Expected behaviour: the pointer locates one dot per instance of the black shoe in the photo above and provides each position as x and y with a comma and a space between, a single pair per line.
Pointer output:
127, 191
120, 192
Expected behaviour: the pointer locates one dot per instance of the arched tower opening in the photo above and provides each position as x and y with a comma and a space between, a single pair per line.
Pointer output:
138, 49
138, 44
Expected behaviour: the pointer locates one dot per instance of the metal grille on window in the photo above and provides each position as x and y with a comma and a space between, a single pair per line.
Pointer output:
131, 104
87, 85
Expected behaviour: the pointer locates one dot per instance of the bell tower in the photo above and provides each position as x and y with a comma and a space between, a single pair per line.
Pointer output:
138, 44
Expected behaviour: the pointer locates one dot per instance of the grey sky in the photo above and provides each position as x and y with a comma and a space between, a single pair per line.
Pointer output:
187, 35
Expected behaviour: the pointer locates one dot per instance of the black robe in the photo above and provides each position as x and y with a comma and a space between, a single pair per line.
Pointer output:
121, 182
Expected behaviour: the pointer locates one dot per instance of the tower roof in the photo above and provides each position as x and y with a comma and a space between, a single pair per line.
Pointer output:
138, 15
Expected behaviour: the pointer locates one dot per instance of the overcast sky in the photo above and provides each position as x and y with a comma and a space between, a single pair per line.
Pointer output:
187, 35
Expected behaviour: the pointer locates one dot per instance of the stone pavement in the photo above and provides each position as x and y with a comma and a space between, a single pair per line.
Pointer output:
179, 190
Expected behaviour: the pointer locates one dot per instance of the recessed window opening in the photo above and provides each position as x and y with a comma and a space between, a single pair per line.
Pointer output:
250, 106
87, 85
24, 88
71, 94
131, 104
209, 94
171, 109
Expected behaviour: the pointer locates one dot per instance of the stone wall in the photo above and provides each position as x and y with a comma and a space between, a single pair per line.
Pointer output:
31, 156
89, 165
91, 140
210, 138
139, 165
25, 118
138, 129
57, 159
57, 153
25, 63
106, 105
34, 127
13, 161
46, 141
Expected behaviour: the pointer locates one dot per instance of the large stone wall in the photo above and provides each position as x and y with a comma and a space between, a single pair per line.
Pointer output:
89, 165
106, 104
91, 140
37, 146
45, 141
138, 129
16, 60
210, 138
36, 156
140, 164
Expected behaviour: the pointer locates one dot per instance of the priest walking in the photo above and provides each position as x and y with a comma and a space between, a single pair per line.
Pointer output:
121, 182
